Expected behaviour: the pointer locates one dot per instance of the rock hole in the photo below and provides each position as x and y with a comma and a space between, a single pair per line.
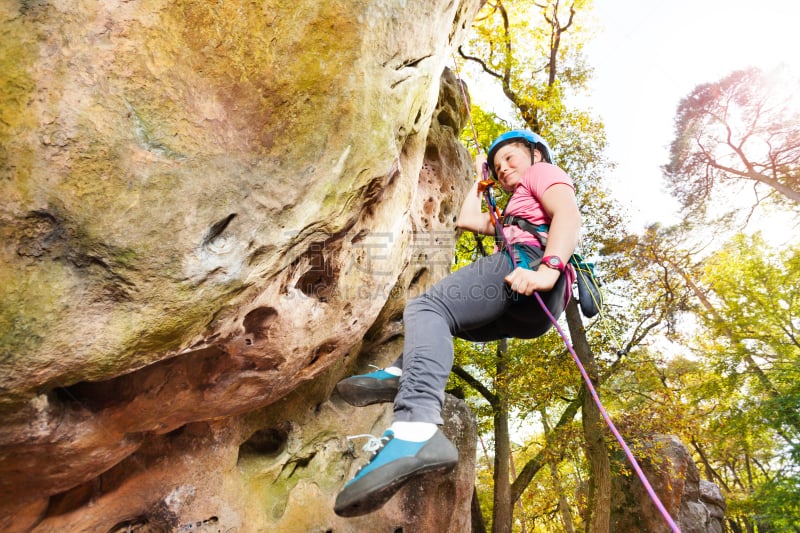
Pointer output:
257, 323
305, 461
431, 154
176, 433
217, 228
72, 499
448, 118
38, 233
412, 62
373, 193
319, 281
418, 275
92, 396
322, 350
265, 442
445, 210
417, 118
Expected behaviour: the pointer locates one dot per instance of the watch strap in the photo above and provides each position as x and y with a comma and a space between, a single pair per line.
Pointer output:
554, 262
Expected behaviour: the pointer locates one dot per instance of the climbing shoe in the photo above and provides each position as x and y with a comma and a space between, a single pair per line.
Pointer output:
394, 464
366, 389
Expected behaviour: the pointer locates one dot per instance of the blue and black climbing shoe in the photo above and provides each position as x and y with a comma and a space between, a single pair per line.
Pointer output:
394, 464
376, 387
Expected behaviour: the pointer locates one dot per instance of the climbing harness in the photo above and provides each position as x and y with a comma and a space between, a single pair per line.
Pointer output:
590, 296
487, 188
493, 214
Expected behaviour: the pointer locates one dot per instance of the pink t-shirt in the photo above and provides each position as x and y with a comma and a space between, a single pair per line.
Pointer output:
525, 202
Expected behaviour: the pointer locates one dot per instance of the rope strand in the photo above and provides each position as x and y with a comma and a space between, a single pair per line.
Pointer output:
466, 103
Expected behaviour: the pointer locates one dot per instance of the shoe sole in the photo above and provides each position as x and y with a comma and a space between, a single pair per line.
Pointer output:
360, 396
383, 494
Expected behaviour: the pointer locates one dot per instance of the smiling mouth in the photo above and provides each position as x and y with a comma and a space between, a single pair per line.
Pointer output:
505, 181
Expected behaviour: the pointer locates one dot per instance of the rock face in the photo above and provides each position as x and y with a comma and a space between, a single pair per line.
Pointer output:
696, 505
210, 213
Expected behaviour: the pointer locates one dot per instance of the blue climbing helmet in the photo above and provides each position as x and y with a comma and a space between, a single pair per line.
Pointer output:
532, 139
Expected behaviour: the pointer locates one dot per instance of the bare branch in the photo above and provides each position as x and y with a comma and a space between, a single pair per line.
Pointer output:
480, 62
477, 385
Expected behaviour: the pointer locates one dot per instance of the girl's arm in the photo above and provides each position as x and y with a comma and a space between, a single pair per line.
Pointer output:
559, 202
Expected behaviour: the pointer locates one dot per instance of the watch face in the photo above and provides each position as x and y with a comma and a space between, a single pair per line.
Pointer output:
553, 261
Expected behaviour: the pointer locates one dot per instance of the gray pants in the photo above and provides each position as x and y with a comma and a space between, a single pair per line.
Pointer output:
475, 304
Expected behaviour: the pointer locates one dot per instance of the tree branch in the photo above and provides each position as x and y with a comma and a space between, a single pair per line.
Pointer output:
477, 385
480, 62
533, 466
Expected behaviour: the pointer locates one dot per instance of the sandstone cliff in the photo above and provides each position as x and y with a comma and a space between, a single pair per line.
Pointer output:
210, 212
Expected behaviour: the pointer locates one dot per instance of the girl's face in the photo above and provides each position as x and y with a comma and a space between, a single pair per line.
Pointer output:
511, 162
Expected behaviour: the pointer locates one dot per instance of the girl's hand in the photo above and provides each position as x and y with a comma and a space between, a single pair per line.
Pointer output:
480, 161
524, 281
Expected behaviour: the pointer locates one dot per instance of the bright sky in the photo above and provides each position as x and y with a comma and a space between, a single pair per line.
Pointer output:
649, 55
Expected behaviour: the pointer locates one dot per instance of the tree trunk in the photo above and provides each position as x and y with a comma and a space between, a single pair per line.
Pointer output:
599, 511
563, 505
599, 469
532, 467
503, 506
523, 525
734, 525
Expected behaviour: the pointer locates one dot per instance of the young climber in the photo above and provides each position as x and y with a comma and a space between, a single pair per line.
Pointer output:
485, 301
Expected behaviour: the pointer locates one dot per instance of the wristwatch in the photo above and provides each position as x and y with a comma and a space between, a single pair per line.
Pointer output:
554, 262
